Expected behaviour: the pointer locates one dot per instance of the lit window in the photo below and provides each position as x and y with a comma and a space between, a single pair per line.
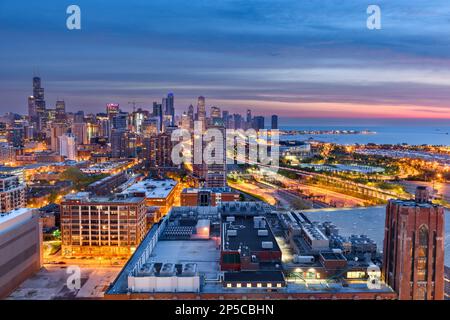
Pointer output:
278, 285
259, 285
238, 285
249, 285
269, 285
229, 285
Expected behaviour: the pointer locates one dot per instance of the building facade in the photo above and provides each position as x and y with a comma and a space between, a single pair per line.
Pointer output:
413, 263
12, 193
101, 226
20, 248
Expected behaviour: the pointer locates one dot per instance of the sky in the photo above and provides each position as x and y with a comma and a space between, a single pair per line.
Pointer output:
296, 58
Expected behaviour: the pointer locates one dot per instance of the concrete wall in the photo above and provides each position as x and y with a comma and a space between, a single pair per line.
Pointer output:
20, 254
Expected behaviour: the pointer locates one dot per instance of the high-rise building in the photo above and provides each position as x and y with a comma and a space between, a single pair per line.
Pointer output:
249, 117
158, 149
104, 125
60, 110
112, 109
226, 119
191, 112
274, 122
39, 100
151, 126
258, 123
67, 146
12, 193
123, 144
79, 130
186, 122
215, 112
20, 248
101, 226
16, 135
169, 108
32, 112
201, 110
78, 117
413, 263
120, 121
158, 113
56, 131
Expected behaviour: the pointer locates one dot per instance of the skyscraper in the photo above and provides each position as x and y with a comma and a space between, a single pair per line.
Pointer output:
413, 263
191, 112
201, 110
112, 109
274, 122
169, 108
39, 100
258, 123
32, 112
60, 116
158, 113
249, 117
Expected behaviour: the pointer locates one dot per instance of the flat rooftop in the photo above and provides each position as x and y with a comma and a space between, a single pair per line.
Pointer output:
88, 197
246, 234
368, 221
14, 217
202, 252
152, 189
213, 190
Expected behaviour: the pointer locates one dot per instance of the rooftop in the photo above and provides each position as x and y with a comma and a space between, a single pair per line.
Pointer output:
214, 190
242, 232
152, 188
88, 197
11, 218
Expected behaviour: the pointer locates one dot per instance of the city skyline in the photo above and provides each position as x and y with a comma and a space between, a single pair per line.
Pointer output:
302, 61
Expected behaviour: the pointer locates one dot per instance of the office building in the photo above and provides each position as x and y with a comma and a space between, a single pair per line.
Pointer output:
169, 108
258, 123
101, 226
60, 110
201, 111
274, 122
112, 109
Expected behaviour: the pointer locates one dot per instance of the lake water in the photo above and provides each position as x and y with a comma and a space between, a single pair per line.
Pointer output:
387, 131
368, 221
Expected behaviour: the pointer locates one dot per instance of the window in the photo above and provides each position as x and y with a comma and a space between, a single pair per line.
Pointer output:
249, 285
269, 285
259, 285
422, 255
238, 285
229, 285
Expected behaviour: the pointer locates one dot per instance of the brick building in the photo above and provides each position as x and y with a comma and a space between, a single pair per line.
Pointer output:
413, 263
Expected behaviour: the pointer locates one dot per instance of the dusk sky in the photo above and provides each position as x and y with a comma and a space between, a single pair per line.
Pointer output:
298, 58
